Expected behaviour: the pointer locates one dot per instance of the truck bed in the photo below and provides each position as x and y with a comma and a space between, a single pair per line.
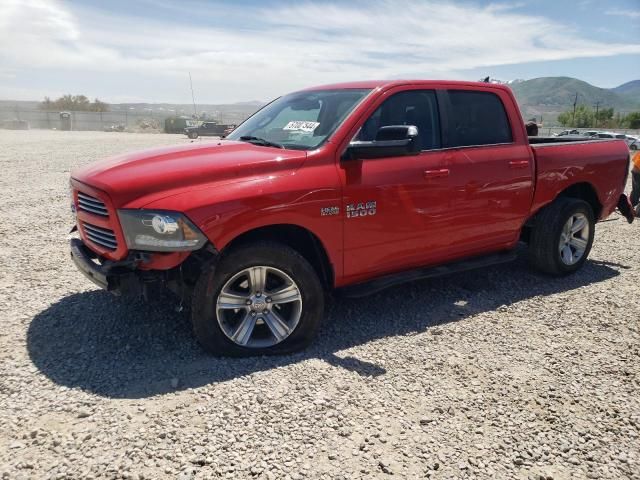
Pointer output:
563, 163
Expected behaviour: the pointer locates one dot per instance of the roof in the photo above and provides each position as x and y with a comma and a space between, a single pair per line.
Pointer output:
371, 84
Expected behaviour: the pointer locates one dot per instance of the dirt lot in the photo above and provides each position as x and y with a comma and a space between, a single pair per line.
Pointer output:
499, 373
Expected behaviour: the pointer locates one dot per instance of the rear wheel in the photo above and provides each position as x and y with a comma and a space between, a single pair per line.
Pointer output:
262, 298
193, 135
562, 236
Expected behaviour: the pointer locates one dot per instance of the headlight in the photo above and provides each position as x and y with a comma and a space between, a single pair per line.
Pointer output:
159, 231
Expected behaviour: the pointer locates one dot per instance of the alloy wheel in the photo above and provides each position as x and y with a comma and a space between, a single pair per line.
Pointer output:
259, 307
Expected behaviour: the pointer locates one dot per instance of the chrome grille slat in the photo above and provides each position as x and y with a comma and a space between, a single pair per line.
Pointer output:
100, 236
89, 209
87, 198
105, 236
104, 243
92, 205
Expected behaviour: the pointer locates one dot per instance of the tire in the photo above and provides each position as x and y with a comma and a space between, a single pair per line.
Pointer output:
227, 285
633, 147
193, 135
545, 250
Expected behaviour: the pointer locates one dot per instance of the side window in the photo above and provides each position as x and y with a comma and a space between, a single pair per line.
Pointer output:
477, 118
413, 107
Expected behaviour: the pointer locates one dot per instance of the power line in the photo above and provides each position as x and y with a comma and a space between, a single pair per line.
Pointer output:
597, 105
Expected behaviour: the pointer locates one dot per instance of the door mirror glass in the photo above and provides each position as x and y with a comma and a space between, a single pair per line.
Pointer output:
396, 132
390, 141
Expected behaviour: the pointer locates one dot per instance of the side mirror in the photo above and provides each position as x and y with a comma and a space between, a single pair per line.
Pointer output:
391, 141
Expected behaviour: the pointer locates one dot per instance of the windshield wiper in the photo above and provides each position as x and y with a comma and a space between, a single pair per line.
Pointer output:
260, 141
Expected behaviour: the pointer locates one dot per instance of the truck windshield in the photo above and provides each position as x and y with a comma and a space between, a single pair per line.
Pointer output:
301, 120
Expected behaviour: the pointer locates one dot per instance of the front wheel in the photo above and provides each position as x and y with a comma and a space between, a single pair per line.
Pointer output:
193, 135
260, 299
562, 236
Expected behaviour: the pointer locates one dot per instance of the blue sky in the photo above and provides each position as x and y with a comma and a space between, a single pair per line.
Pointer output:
256, 50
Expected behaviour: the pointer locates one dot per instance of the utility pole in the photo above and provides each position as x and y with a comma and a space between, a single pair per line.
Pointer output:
575, 102
597, 105
193, 98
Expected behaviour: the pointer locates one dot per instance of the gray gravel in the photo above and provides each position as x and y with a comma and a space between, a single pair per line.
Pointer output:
498, 373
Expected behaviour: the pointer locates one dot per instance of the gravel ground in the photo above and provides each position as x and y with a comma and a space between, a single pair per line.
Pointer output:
498, 373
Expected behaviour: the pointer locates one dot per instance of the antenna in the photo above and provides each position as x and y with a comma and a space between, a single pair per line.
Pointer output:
573, 119
193, 98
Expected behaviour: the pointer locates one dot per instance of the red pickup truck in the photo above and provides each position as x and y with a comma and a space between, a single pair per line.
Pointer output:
354, 187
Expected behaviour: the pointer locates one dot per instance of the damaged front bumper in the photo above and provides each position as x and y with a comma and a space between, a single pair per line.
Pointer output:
116, 277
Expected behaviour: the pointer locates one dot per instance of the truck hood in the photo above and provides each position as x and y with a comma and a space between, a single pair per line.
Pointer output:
153, 174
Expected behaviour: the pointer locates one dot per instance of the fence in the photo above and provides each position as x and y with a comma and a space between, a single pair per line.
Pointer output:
85, 120
130, 120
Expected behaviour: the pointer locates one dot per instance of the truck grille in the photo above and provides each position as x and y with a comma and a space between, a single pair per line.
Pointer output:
100, 236
92, 205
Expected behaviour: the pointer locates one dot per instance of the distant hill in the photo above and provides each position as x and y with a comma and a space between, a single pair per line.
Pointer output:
562, 91
546, 97
630, 90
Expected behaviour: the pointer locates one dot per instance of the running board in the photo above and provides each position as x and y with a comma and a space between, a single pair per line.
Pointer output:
367, 288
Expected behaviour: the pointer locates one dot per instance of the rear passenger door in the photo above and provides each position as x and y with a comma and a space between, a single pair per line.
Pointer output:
491, 167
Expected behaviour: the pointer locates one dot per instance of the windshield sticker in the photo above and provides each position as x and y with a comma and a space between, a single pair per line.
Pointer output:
301, 126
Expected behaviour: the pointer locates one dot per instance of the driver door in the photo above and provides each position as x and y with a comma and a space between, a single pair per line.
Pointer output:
393, 204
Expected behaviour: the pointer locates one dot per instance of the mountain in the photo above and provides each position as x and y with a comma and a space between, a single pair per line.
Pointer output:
561, 91
630, 90
546, 97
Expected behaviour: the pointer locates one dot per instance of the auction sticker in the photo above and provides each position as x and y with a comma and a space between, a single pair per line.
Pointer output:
301, 126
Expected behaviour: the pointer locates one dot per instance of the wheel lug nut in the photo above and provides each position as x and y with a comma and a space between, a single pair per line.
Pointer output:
258, 294
248, 302
253, 314
268, 299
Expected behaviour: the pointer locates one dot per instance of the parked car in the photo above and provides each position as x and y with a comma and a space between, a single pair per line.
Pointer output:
632, 141
208, 129
567, 132
590, 133
352, 187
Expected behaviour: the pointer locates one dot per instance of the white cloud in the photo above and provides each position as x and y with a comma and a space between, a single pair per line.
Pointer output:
287, 47
630, 14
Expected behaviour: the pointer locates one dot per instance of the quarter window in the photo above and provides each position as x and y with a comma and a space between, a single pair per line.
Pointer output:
477, 118
413, 107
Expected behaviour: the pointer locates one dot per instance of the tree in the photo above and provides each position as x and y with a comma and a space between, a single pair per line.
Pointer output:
605, 118
98, 106
77, 103
566, 119
584, 117
632, 120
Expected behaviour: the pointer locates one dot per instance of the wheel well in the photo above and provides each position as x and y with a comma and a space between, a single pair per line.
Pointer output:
586, 192
300, 239
583, 191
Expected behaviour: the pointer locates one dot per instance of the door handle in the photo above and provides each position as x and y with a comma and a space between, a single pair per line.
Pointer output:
443, 172
519, 164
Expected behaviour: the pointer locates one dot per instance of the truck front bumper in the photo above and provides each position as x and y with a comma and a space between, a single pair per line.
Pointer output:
116, 277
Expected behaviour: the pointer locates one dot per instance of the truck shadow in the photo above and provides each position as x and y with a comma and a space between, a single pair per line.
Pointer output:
120, 348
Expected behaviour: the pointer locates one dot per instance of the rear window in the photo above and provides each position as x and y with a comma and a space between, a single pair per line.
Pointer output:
477, 118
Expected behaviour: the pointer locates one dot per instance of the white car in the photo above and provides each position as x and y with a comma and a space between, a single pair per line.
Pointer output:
590, 133
567, 132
